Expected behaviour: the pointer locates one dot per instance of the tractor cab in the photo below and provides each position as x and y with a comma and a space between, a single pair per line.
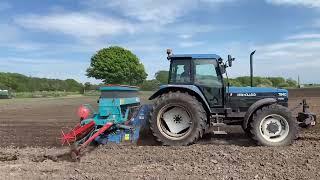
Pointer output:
202, 70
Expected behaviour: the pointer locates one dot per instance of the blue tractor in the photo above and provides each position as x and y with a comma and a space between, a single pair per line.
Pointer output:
197, 100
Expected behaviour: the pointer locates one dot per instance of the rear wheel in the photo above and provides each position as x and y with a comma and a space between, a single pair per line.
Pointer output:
177, 119
273, 125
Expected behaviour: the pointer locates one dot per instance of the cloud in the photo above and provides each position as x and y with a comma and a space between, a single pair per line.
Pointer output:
277, 46
190, 30
306, 3
147, 28
187, 44
290, 59
286, 58
304, 36
79, 25
94, 26
185, 36
291, 52
155, 11
94, 31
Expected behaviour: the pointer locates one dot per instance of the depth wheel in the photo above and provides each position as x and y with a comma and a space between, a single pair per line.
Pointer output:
75, 153
177, 119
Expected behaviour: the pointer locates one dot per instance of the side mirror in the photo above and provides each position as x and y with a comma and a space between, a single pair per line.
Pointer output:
230, 59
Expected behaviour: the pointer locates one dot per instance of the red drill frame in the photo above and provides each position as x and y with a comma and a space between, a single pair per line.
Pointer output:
77, 133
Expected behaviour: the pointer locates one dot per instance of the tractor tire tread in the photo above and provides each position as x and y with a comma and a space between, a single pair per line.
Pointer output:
200, 129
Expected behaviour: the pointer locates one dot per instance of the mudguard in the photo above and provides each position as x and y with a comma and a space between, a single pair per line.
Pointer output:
192, 89
254, 107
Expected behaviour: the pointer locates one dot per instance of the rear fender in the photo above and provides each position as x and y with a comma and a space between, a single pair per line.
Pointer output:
254, 107
191, 89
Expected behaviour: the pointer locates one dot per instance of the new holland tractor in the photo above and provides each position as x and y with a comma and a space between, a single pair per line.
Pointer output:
195, 101
198, 100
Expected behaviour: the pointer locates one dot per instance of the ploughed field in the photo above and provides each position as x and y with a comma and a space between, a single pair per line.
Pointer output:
30, 149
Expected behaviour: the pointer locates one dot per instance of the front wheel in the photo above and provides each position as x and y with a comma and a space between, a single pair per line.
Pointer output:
273, 125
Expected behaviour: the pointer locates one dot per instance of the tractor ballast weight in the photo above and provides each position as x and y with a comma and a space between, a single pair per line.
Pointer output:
120, 118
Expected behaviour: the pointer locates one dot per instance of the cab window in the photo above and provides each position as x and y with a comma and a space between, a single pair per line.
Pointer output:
180, 72
206, 73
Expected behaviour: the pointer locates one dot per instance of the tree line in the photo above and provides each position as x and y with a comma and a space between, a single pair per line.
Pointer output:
21, 83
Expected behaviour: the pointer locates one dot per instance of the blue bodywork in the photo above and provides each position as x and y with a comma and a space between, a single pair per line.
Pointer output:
256, 90
136, 123
112, 109
196, 56
118, 88
229, 90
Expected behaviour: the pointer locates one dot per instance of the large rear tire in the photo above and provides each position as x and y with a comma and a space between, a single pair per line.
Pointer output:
273, 125
177, 119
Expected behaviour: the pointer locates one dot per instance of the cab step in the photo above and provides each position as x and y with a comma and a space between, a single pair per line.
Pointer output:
217, 130
218, 125
220, 133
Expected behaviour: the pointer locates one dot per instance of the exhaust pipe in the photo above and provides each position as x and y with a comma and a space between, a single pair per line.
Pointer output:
251, 68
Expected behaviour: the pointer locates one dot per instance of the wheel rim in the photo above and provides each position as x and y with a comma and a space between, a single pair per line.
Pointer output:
274, 128
174, 122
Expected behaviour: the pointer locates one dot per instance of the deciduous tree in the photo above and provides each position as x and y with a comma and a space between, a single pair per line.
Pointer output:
116, 65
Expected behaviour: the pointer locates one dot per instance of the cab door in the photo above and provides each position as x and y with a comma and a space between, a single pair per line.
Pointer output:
209, 79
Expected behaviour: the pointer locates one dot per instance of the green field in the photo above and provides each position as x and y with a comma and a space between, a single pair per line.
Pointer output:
41, 94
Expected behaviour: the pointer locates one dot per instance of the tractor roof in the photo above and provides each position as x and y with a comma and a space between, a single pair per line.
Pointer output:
196, 56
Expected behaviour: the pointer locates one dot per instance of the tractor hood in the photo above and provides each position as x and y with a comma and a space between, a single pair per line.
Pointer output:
257, 91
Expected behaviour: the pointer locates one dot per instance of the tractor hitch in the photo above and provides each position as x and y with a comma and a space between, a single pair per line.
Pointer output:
306, 118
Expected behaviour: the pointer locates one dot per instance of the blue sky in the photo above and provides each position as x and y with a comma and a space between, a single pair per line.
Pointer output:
55, 39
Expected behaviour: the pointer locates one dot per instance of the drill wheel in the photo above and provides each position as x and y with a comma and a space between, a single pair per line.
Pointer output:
75, 153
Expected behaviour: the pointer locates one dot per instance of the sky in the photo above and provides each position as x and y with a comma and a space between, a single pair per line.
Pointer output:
56, 39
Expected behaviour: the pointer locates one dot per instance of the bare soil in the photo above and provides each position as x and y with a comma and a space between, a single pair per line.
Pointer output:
30, 149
